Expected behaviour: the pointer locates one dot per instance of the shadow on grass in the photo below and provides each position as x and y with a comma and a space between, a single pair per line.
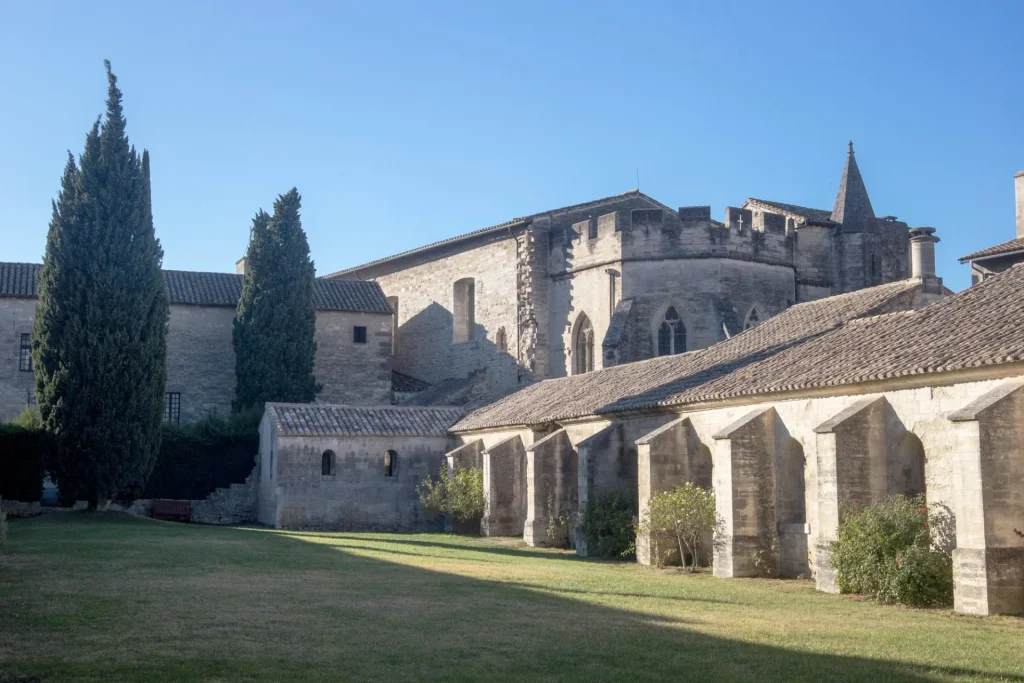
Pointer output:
547, 553
311, 610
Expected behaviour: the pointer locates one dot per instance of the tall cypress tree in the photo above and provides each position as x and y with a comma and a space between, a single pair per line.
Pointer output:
275, 324
99, 342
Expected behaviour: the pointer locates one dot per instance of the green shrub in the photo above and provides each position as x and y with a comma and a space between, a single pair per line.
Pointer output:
561, 529
887, 551
686, 515
197, 458
609, 525
456, 491
23, 457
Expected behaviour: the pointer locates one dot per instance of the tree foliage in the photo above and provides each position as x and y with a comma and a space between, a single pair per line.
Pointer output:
895, 551
456, 491
609, 524
687, 516
275, 323
99, 342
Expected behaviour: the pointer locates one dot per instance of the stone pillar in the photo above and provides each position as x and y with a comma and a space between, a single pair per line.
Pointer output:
504, 474
662, 464
988, 562
745, 492
551, 479
851, 451
467, 455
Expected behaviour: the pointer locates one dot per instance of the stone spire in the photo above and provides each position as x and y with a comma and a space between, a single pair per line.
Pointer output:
853, 208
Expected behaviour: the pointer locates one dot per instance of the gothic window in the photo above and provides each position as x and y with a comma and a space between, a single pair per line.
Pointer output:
754, 318
393, 302
583, 345
464, 312
327, 463
172, 407
671, 334
359, 334
25, 353
390, 463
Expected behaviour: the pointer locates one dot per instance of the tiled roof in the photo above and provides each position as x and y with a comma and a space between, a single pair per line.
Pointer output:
998, 250
311, 419
217, 289
730, 368
404, 384
819, 215
501, 227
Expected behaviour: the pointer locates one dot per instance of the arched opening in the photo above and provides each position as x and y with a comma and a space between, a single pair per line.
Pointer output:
393, 302
583, 346
791, 501
701, 467
754, 318
464, 310
671, 334
390, 463
906, 469
500, 341
327, 463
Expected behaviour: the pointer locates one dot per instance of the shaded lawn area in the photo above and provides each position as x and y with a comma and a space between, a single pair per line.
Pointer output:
108, 597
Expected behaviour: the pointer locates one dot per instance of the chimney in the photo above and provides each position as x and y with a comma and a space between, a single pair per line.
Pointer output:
240, 265
922, 252
1018, 190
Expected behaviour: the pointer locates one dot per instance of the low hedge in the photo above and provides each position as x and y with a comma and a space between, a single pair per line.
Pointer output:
23, 453
198, 458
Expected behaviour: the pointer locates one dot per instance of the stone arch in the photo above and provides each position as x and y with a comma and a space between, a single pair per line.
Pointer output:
659, 317
390, 463
328, 463
668, 329
463, 310
791, 500
755, 316
702, 466
906, 467
582, 345
501, 340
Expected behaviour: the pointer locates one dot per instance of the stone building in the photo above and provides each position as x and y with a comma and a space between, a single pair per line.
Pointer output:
353, 335
621, 279
996, 259
893, 389
346, 467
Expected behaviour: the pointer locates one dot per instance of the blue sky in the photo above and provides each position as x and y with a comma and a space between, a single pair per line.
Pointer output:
402, 124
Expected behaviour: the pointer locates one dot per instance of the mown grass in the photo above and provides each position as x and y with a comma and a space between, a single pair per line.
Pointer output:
107, 597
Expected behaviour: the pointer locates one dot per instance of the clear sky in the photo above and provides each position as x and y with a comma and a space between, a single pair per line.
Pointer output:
402, 124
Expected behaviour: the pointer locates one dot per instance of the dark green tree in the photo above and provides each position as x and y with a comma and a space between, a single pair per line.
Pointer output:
99, 343
275, 324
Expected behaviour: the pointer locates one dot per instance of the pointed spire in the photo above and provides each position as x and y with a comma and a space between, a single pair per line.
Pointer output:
852, 207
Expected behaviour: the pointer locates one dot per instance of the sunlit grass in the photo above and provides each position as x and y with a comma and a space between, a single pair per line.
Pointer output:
107, 597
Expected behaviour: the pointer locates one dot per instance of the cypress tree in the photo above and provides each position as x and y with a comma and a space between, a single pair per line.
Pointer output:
275, 323
99, 342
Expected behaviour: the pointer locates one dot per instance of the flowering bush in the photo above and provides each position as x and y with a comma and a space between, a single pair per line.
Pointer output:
457, 491
687, 516
888, 551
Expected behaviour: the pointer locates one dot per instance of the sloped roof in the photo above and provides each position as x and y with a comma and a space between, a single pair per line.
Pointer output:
1010, 247
697, 375
216, 289
853, 207
817, 215
403, 383
500, 227
311, 419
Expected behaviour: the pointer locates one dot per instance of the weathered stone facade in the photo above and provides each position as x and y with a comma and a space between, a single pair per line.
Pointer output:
200, 351
589, 286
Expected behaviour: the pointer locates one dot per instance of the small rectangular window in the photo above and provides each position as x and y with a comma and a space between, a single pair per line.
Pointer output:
25, 355
592, 230
172, 407
359, 334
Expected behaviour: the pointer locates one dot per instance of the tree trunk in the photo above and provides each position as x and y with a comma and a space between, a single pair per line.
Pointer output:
682, 553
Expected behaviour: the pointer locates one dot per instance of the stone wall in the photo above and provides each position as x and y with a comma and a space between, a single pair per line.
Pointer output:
17, 388
351, 373
357, 495
201, 360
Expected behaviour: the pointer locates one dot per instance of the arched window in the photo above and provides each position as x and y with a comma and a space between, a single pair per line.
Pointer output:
754, 318
583, 345
393, 302
390, 463
327, 463
464, 310
791, 505
906, 467
671, 334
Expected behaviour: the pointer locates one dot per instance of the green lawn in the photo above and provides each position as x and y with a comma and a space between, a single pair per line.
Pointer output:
108, 597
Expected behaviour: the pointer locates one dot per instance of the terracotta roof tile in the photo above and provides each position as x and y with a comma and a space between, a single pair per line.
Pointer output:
998, 250
311, 419
217, 289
